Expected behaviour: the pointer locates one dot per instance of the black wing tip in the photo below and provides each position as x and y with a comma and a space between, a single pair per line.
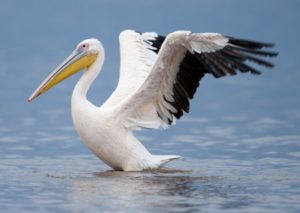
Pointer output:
265, 53
255, 72
157, 42
273, 54
239, 51
247, 43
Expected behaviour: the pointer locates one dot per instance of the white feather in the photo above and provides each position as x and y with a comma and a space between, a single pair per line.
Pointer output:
160, 80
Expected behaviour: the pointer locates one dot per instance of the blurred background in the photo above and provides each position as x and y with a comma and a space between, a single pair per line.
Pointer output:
37, 35
245, 118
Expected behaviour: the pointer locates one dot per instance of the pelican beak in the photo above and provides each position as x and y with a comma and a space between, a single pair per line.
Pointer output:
77, 61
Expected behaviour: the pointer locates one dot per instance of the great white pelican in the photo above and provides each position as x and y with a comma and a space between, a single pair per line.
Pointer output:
158, 78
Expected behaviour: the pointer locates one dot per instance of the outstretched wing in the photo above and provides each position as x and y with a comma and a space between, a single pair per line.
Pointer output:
138, 53
184, 58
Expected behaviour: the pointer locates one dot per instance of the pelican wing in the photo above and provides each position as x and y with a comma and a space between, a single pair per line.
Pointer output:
138, 54
164, 94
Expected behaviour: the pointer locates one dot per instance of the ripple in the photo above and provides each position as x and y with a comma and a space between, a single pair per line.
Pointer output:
295, 154
12, 139
20, 148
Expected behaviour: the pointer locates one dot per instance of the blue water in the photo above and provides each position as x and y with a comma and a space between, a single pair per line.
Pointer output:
240, 144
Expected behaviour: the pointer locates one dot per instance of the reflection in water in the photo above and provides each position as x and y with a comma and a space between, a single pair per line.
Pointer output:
163, 190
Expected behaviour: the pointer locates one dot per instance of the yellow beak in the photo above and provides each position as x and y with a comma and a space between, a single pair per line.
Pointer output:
77, 61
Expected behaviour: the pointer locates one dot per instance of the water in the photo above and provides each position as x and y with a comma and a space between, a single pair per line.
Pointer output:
240, 144
224, 168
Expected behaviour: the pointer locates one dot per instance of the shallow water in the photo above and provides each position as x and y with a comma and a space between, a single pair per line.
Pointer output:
240, 144
182, 189
221, 169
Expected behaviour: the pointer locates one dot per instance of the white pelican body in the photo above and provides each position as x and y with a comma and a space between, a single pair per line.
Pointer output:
158, 77
101, 130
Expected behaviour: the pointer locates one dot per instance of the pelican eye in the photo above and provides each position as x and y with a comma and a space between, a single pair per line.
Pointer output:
83, 47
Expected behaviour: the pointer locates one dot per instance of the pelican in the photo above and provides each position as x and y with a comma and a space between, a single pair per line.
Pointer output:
159, 75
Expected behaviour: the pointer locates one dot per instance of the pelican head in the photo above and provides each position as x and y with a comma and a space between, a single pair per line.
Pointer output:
82, 57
